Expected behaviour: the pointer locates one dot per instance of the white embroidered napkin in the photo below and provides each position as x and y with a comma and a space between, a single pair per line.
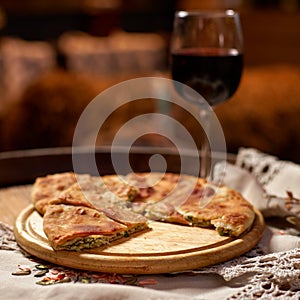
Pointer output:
270, 184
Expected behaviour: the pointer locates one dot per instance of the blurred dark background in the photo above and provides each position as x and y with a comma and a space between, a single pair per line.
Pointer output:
271, 27
46, 19
54, 54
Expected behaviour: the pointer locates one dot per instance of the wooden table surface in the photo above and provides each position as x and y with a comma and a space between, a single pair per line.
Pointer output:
12, 201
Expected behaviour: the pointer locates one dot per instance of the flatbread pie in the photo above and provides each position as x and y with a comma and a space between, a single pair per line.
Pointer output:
112, 207
193, 201
76, 227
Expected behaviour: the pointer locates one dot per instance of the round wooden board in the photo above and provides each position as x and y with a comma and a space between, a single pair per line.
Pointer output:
165, 248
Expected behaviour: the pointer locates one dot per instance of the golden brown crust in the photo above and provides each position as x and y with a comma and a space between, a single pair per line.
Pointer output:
107, 194
49, 187
83, 211
64, 224
152, 187
227, 210
193, 201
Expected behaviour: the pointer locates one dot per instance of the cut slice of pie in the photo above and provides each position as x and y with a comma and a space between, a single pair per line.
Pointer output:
77, 227
94, 192
189, 200
224, 209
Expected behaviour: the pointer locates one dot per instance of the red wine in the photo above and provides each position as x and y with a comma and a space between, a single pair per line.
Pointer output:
213, 72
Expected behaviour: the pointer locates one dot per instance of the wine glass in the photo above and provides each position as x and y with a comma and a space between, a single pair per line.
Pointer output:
207, 55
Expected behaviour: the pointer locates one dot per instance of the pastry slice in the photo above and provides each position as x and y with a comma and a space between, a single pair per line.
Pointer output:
93, 192
224, 209
77, 227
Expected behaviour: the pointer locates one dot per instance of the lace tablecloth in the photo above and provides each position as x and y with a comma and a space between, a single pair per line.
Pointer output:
256, 274
270, 270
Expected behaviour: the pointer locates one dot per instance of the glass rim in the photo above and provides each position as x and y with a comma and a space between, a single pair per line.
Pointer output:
206, 13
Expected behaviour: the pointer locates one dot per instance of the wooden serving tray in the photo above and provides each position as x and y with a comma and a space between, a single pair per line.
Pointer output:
165, 248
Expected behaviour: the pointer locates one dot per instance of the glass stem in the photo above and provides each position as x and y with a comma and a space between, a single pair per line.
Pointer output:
205, 147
